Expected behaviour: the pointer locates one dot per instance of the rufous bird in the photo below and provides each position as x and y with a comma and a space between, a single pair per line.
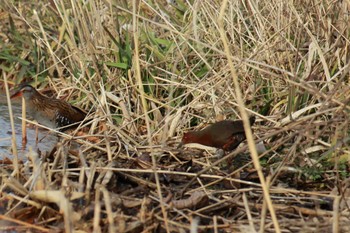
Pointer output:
50, 112
226, 135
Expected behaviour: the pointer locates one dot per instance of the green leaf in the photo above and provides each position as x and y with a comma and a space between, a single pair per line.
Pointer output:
118, 65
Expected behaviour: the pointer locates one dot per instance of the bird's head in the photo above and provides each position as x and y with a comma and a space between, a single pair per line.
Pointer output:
188, 137
24, 90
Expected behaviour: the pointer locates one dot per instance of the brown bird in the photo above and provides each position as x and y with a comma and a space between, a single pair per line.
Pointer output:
50, 112
226, 135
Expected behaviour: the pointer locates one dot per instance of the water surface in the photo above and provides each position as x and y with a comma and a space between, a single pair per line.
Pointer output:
46, 140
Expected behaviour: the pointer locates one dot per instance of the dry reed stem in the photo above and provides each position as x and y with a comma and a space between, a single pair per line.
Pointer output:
45, 40
108, 203
13, 138
335, 225
141, 91
23, 223
245, 119
97, 211
145, 108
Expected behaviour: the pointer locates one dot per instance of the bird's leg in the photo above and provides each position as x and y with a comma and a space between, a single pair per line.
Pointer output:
24, 127
45, 136
36, 134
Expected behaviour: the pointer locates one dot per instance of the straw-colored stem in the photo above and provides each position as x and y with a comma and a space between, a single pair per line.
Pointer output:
138, 74
245, 119
13, 140
144, 106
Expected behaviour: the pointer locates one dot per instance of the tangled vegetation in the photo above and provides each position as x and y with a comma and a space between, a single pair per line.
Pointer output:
148, 71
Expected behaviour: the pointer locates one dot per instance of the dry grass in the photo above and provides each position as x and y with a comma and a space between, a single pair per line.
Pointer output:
148, 72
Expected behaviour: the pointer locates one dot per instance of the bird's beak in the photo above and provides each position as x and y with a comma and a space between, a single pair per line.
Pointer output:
16, 94
180, 145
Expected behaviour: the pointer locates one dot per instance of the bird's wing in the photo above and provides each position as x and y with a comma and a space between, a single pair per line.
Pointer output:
230, 136
234, 141
69, 114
